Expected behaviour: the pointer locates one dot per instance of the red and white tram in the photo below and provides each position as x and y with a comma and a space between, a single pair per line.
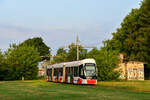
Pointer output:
75, 72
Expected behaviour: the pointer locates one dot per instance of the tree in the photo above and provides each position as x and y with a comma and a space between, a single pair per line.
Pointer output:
37, 42
61, 50
124, 39
94, 53
132, 38
106, 60
72, 53
1, 57
1, 66
144, 32
61, 56
5, 71
22, 61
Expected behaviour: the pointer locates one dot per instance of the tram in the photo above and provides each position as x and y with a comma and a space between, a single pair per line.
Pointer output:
75, 72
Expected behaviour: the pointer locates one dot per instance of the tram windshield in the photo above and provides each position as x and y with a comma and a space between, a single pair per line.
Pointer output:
90, 70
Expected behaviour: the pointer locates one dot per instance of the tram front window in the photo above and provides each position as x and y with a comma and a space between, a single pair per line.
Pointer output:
90, 70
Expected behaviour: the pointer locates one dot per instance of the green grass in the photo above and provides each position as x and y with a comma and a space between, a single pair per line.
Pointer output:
141, 86
42, 90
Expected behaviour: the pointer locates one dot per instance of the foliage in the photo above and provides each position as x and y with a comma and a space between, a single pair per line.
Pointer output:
37, 42
70, 55
107, 61
123, 39
21, 62
61, 56
144, 32
5, 70
1, 56
132, 38
94, 53
1, 66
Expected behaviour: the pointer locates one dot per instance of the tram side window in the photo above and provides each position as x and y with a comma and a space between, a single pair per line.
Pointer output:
60, 71
55, 72
50, 73
71, 71
81, 70
68, 71
47, 72
76, 71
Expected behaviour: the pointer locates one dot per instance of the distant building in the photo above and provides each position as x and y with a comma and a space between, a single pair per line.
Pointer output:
41, 72
42, 68
132, 70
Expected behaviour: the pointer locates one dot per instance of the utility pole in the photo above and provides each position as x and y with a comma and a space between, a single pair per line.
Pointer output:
50, 56
77, 44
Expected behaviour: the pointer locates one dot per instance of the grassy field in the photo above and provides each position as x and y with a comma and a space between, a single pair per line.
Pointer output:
41, 90
137, 86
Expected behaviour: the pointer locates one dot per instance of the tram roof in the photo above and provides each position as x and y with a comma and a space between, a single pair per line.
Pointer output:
72, 63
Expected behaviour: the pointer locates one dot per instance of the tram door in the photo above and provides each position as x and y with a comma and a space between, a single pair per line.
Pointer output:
67, 74
71, 75
50, 74
57, 74
47, 72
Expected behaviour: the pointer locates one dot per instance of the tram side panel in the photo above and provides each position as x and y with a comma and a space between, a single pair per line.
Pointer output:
49, 74
73, 75
60, 76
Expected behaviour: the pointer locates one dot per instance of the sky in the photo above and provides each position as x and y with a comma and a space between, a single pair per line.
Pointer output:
58, 22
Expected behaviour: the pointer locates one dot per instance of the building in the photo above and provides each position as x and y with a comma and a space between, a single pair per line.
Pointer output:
41, 72
42, 68
132, 70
